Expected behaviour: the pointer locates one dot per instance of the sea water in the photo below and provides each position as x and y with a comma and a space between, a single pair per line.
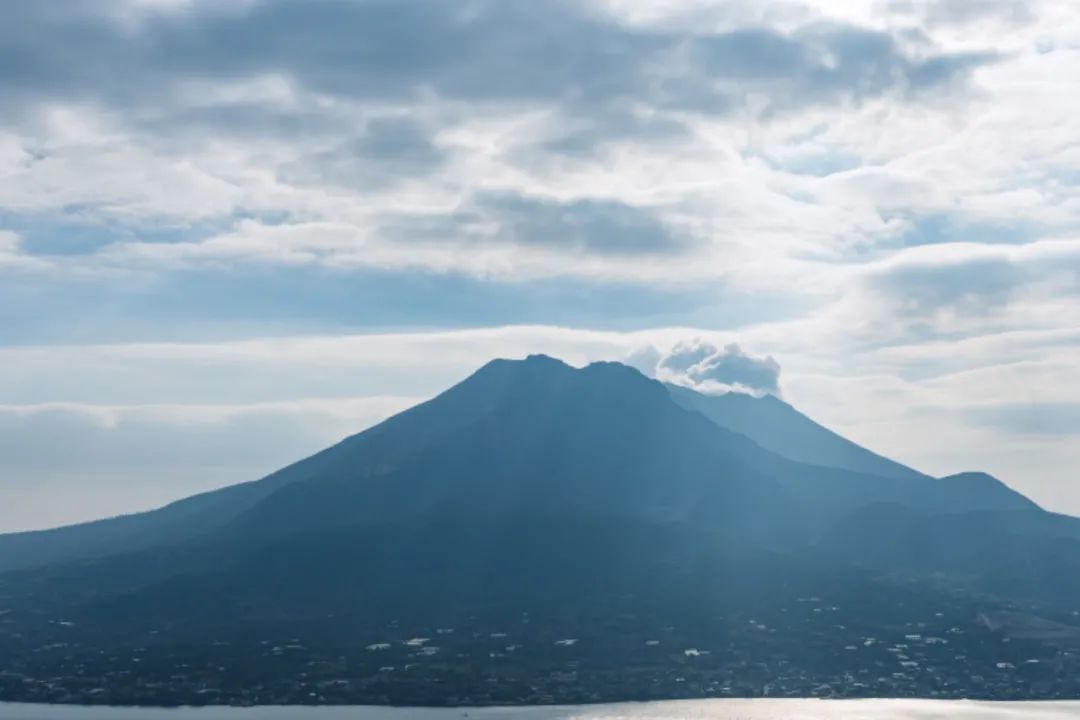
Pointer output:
764, 709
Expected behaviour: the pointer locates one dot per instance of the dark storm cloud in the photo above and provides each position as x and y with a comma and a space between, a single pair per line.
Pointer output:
386, 151
591, 225
604, 226
383, 49
485, 50
977, 287
827, 62
979, 284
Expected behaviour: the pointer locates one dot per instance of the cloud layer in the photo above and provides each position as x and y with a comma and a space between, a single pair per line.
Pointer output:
402, 135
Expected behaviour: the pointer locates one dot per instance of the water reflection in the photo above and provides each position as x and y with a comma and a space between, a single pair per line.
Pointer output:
675, 710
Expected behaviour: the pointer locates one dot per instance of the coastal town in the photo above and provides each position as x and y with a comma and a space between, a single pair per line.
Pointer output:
807, 648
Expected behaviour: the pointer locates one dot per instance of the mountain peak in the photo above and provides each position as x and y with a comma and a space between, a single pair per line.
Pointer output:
988, 484
971, 476
499, 371
534, 362
542, 359
539, 369
612, 365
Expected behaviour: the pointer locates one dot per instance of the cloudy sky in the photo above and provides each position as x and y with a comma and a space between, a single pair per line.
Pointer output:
233, 232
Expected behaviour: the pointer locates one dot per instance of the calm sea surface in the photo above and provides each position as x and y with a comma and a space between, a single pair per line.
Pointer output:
675, 710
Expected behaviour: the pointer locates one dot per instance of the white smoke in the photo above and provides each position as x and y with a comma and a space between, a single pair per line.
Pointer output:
704, 366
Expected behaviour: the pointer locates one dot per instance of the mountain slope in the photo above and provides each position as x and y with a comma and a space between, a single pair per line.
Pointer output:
1024, 555
829, 476
602, 439
780, 428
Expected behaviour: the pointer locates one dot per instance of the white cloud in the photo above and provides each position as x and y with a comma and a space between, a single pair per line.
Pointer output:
222, 149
